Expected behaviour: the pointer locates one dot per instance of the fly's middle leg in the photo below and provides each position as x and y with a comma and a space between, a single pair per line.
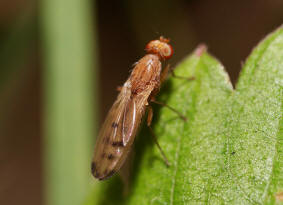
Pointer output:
171, 108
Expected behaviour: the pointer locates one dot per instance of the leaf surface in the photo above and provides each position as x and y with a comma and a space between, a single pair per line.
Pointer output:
230, 149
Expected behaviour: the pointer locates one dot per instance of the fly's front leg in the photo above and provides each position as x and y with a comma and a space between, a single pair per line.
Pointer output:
164, 73
149, 120
169, 70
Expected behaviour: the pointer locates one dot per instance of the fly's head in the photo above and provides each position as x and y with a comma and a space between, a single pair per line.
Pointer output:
160, 47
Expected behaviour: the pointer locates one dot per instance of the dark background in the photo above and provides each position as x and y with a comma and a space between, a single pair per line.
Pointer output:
230, 29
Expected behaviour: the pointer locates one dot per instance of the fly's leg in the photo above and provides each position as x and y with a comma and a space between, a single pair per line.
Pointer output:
171, 108
163, 77
164, 73
149, 120
168, 70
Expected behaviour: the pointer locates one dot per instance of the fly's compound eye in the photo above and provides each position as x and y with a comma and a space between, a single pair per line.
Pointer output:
166, 51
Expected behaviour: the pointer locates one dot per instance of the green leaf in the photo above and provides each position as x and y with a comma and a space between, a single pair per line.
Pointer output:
230, 149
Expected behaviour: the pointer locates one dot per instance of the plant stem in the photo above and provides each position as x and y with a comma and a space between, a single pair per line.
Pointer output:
68, 77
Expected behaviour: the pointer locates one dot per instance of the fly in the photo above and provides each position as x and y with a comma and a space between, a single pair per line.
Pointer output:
119, 129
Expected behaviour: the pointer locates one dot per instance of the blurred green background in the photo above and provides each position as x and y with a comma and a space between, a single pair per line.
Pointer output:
60, 64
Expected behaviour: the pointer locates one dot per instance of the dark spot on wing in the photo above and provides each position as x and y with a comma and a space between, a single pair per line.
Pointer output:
94, 170
114, 125
233, 152
106, 174
106, 140
118, 144
111, 173
93, 167
97, 175
110, 156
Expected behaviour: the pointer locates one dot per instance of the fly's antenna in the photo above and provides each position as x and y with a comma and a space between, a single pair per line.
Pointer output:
155, 30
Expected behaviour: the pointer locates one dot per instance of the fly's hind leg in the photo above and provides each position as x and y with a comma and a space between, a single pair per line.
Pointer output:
149, 120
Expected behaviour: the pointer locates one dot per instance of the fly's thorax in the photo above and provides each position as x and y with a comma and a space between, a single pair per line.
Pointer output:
146, 73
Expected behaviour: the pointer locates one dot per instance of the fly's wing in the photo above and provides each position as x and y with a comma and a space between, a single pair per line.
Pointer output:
120, 127
117, 135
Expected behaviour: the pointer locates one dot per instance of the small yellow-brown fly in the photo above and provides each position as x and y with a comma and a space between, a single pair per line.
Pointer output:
118, 132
